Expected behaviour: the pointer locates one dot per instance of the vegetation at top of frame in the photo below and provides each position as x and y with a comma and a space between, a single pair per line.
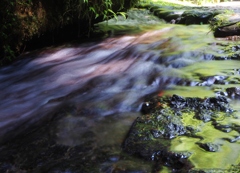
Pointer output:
23, 20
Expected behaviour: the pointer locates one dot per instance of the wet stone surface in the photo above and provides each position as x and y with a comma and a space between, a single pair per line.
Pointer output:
167, 118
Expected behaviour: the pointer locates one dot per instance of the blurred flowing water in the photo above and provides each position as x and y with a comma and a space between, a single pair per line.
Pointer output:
99, 86
104, 77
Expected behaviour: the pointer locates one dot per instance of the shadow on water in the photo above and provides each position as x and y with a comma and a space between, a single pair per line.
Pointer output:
82, 99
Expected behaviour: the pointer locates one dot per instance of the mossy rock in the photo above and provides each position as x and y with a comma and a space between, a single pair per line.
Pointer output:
226, 24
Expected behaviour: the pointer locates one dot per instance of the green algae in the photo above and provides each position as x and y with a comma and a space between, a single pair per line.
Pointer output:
174, 126
223, 158
222, 130
197, 73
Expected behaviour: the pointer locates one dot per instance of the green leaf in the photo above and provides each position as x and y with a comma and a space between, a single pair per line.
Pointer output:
96, 15
92, 9
105, 17
122, 14
111, 11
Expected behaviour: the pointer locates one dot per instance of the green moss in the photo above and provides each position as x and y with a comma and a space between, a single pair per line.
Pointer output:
220, 20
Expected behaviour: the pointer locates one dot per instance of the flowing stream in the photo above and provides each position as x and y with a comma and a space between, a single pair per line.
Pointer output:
88, 95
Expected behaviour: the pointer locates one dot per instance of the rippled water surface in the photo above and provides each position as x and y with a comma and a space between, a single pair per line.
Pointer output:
93, 91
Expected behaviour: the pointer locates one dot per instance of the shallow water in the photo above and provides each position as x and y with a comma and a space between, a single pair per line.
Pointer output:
93, 92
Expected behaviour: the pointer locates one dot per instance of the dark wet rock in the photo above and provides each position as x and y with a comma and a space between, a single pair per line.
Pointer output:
151, 134
211, 147
178, 101
232, 140
204, 115
210, 80
148, 107
176, 160
233, 92
227, 127
237, 138
197, 104
223, 127
169, 125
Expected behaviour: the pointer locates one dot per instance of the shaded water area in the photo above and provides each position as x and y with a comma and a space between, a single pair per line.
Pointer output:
69, 108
